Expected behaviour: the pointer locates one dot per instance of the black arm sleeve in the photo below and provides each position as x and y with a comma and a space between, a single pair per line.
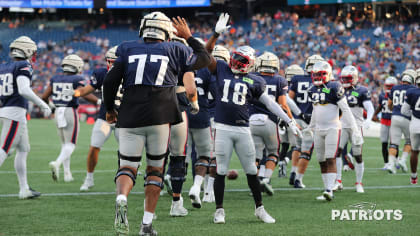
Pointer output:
203, 57
111, 84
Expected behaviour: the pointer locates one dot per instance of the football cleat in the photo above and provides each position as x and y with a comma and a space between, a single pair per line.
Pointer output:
359, 188
208, 197
321, 198
87, 184
403, 165
121, 222
28, 193
385, 166
261, 214
68, 177
147, 230
178, 209
338, 185
349, 159
346, 168
413, 180
299, 184
195, 196
168, 185
326, 196
219, 216
292, 178
55, 170
267, 186
282, 169
392, 169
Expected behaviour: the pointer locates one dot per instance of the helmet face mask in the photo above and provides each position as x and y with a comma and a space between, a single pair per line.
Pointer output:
110, 56
346, 81
321, 73
349, 76
242, 60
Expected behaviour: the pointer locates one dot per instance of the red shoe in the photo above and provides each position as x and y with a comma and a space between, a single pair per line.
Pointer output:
413, 180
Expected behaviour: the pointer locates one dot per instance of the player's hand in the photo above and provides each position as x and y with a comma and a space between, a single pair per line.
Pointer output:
111, 117
194, 108
366, 124
221, 25
181, 26
375, 118
46, 110
295, 130
67, 92
357, 138
99, 102
306, 118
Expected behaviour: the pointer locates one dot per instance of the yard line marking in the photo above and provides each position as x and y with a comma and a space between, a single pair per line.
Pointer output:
228, 190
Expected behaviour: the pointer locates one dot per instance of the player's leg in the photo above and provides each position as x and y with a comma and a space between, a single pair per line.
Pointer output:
415, 148
395, 138
202, 140
209, 188
344, 139
7, 139
304, 158
129, 157
100, 133
407, 147
286, 138
359, 166
178, 150
223, 152
296, 154
246, 155
384, 136
332, 140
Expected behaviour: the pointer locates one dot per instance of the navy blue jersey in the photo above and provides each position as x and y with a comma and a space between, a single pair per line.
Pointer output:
413, 99
60, 82
205, 85
9, 94
357, 95
330, 93
154, 63
300, 84
96, 80
276, 86
183, 101
212, 96
234, 91
397, 96
383, 103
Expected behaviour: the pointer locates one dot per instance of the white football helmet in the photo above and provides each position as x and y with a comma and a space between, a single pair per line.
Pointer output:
321, 73
242, 60
156, 25
179, 40
111, 54
409, 76
23, 47
389, 83
268, 63
72, 63
349, 76
221, 53
292, 71
418, 77
311, 61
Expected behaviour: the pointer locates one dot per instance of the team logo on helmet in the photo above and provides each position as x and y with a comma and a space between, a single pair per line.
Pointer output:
242, 60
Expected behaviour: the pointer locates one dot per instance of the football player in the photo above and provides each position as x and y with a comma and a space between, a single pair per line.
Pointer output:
298, 91
399, 122
66, 116
411, 107
15, 80
235, 88
328, 98
385, 117
149, 70
263, 123
358, 98
101, 130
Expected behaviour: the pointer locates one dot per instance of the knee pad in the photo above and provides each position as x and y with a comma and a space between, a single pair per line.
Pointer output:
358, 158
395, 146
272, 157
177, 164
153, 182
213, 162
203, 161
338, 152
124, 160
156, 160
296, 148
128, 172
305, 156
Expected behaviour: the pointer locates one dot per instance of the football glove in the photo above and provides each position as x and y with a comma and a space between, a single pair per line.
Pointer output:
194, 108
357, 138
46, 111
293, 127
366, 124
221, 25
67, 92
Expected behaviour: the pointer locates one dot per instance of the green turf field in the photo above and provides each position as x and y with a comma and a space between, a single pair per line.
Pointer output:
62, 210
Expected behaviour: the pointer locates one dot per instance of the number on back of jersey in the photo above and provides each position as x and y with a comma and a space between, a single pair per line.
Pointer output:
57, 90
6, 84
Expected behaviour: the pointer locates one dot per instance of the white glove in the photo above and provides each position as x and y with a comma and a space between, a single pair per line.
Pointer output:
221, 25
366, 124
293, 127
67, 91
99, 102
357, 138
46, 111
51, 104
194, 108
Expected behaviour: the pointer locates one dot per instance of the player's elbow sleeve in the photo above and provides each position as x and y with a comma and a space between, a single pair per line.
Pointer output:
203, 57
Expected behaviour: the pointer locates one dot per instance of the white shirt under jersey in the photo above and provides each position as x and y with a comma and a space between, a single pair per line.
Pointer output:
358, 116
14, 113
326, 116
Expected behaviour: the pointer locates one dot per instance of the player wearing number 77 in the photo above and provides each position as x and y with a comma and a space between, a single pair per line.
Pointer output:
67, 119
235, 89
399, 122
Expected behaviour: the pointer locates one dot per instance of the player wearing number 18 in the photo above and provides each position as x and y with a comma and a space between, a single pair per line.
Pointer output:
399, 122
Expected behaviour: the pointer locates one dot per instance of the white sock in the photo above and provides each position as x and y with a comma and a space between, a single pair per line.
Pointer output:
339, 164
360, 169
330, 180
89, 175
198, 180
121, 197
268, 173
20, 167
66, 165
3, 156
294, 169
414, 175
147, 217
392, 159
404, 156
261, 172
324, 180
210, 184
66, 151
299, 176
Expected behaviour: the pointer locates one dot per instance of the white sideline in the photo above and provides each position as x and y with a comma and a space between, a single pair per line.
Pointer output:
228, 190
